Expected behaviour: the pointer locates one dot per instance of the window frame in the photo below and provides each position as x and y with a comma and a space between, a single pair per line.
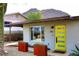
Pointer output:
42, 39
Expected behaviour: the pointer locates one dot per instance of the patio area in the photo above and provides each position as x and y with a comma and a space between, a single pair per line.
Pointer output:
11, 49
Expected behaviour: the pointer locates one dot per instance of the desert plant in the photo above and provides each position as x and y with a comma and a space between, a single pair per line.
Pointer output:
3, 7
75, 52
34, 15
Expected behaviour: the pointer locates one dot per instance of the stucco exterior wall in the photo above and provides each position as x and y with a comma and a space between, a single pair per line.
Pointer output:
47, 32
72, 37
72, 33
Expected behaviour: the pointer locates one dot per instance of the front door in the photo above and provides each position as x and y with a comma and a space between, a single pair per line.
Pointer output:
60, 36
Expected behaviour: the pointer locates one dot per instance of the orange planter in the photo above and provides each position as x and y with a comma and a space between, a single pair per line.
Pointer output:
22, 46
40, 50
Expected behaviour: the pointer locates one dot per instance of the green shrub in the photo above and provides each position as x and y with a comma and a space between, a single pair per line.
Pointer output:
75, 52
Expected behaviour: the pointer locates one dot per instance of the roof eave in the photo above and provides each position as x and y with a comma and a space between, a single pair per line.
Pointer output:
41, 20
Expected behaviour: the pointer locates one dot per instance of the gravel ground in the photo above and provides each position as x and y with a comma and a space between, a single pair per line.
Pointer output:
13, 51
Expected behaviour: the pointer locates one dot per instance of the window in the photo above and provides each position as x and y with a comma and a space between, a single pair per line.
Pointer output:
37, 33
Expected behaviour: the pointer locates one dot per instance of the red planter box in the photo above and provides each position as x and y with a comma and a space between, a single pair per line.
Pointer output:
23, 46
40, 50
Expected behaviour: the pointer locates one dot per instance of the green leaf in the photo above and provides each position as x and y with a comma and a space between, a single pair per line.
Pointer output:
77, 48
73, 54
75, 51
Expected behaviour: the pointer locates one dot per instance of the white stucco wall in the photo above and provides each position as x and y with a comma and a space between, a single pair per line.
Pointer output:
72, 33
47, 34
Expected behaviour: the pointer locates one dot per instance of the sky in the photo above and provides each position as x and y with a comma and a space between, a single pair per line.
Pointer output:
69, 6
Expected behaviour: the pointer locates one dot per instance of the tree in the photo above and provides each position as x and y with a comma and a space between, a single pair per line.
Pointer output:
34, 16
3, 7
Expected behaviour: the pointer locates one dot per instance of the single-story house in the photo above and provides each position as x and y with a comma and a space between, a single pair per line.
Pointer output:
57, 29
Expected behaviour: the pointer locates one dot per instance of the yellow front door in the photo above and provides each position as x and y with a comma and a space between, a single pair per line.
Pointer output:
60, 35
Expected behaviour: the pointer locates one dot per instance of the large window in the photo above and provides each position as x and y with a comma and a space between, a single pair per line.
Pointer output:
37, 33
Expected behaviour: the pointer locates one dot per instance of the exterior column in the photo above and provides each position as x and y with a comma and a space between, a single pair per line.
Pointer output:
10, 33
